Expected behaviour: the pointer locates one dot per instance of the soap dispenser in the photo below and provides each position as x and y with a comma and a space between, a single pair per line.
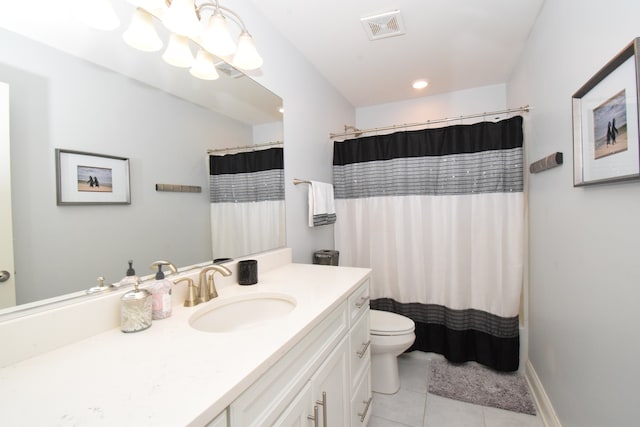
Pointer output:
135, 305
130, 278
161, 291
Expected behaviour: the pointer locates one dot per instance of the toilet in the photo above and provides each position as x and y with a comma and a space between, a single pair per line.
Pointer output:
391, 334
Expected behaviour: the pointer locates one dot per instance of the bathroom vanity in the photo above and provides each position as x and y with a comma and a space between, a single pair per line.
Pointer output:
311, 361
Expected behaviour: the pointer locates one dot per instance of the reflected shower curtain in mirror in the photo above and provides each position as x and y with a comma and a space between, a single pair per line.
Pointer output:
247, 202
438, 214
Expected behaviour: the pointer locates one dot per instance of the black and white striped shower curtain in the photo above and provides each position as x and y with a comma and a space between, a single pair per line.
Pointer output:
438, 214
247, 202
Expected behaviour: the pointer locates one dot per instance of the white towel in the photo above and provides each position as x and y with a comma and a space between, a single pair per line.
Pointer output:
322, 208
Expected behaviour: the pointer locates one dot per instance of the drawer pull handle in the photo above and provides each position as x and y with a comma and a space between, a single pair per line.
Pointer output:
364, 349
314, 417
367, 403
362, 302
323, 403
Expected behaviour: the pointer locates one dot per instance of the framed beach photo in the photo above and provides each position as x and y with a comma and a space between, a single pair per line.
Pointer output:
605, 122
91, 179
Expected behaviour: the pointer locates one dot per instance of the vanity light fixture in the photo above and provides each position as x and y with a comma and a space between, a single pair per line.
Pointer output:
141, 33
178, 52
203, 67
420, 84
203, 23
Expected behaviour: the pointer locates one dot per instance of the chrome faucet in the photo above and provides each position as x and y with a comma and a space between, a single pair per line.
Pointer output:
207, 286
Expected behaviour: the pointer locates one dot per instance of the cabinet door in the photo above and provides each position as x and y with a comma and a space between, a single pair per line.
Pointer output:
361, 402
330, 385
299, 410
360, 353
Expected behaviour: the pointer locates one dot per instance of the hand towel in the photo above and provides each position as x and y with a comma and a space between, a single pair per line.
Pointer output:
322, 209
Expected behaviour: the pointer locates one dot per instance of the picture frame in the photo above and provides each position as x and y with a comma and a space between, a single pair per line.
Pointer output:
606, 144
91, 179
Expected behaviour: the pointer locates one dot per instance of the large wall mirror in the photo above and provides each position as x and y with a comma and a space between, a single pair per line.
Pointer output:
75, 88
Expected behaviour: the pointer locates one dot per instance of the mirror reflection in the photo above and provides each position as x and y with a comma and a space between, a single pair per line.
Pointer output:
62, 101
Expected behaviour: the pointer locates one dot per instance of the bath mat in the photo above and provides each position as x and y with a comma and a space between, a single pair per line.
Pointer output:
479, 385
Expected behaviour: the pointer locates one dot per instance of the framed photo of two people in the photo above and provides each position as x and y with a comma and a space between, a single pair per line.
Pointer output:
91, 179
605, 122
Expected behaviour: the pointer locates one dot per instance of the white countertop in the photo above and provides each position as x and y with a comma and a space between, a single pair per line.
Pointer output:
169, 374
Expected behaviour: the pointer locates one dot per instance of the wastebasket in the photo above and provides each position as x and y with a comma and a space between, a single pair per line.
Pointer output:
326, 257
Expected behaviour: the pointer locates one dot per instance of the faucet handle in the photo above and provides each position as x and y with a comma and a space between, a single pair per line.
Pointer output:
192, 298
211, 283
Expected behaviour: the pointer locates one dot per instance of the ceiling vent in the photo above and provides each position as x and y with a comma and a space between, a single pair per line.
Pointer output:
383, 25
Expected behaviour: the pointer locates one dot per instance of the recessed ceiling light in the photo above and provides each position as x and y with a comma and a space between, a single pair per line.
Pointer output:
420, 84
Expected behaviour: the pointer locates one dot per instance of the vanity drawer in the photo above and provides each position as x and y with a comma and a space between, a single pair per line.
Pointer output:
358, 302
362, 401
360, 348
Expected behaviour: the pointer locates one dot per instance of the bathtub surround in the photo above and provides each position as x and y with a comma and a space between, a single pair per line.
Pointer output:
439, 215
479, 385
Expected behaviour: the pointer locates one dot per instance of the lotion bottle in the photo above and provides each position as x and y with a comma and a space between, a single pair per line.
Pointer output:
160, 290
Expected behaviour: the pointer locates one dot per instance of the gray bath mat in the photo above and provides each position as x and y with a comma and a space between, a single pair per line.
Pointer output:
476, 384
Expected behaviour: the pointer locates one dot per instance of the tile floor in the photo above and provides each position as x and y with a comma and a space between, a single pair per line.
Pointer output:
412, 406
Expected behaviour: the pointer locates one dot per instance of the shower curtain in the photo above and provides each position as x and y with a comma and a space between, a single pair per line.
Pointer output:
247, 202
438, 214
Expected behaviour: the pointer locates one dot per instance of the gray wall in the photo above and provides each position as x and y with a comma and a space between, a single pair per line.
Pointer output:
313, 109
584, 293
58, 101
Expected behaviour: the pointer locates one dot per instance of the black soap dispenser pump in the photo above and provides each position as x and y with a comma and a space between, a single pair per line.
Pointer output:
135, 308
130, 278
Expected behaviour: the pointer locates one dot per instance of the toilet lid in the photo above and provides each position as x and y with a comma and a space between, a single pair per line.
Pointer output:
387, 323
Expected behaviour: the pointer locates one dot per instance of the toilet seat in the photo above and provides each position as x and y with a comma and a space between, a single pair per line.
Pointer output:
386, 323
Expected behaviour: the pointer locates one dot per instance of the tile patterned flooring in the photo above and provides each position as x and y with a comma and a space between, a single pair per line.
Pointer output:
412, 406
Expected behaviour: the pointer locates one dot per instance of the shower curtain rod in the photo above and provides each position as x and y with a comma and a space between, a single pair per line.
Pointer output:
246, 147
358, 132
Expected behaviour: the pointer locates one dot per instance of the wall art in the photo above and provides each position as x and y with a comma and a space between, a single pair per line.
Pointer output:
605, 122
91, 179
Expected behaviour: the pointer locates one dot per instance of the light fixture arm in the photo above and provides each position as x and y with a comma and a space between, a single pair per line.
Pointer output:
228, 13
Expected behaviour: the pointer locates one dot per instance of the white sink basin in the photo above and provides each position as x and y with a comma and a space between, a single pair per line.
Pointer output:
241, 312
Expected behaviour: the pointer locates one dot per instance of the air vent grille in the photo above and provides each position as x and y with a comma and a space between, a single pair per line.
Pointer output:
383, 25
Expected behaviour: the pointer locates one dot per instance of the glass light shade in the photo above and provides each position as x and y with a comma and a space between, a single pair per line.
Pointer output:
141, 33
98, 14
178, 52
181, 18
203, 67
216, 38
247, 57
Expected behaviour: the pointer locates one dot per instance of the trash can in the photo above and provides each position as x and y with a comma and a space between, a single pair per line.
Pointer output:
326, 257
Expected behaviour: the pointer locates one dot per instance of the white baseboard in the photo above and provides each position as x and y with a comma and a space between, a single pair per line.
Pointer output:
545, 409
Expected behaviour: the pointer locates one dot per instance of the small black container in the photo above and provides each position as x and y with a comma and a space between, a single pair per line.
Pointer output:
248, 272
